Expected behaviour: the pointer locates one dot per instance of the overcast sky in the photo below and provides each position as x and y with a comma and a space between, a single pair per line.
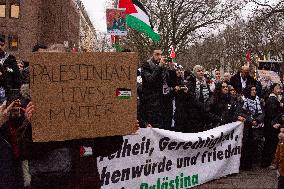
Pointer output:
96, 10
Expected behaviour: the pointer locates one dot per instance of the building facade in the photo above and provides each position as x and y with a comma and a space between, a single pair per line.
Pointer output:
25, 23
88, 38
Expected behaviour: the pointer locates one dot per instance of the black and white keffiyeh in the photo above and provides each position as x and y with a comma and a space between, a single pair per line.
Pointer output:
205, 91
252, 105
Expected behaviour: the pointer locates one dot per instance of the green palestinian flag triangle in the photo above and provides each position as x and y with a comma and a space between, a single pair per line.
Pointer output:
138, 19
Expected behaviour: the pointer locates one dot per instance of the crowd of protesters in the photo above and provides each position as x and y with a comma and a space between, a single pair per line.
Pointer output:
169, 97
26, 164
176, 99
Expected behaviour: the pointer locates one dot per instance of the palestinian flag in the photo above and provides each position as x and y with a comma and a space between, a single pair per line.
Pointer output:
85, 151
122, 93
138, 19
173, 54
248, 56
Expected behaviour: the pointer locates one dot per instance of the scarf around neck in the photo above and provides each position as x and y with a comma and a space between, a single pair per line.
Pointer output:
252, 105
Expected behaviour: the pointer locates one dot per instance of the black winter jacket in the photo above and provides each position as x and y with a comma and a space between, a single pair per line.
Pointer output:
272, 111
11, 77
227, 109
237, 84
152, 93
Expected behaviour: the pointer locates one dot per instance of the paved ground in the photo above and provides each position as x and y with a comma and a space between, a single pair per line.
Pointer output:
259, 178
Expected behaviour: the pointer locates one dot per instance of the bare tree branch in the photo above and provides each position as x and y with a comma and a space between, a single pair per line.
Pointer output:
268, 10
177, 20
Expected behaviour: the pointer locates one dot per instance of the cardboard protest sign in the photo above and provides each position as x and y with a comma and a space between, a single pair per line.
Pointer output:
116, 21
160, 159
83, 95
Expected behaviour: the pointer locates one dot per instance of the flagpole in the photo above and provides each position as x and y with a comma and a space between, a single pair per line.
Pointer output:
115, 3
116, 37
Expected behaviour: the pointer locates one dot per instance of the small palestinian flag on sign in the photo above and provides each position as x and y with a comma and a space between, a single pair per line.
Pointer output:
85, 151
123, 93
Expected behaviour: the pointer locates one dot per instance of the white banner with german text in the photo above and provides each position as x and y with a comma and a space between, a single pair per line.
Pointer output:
160, 159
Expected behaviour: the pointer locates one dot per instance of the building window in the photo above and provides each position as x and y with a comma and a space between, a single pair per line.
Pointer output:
15, 11
13, 42
2, 10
